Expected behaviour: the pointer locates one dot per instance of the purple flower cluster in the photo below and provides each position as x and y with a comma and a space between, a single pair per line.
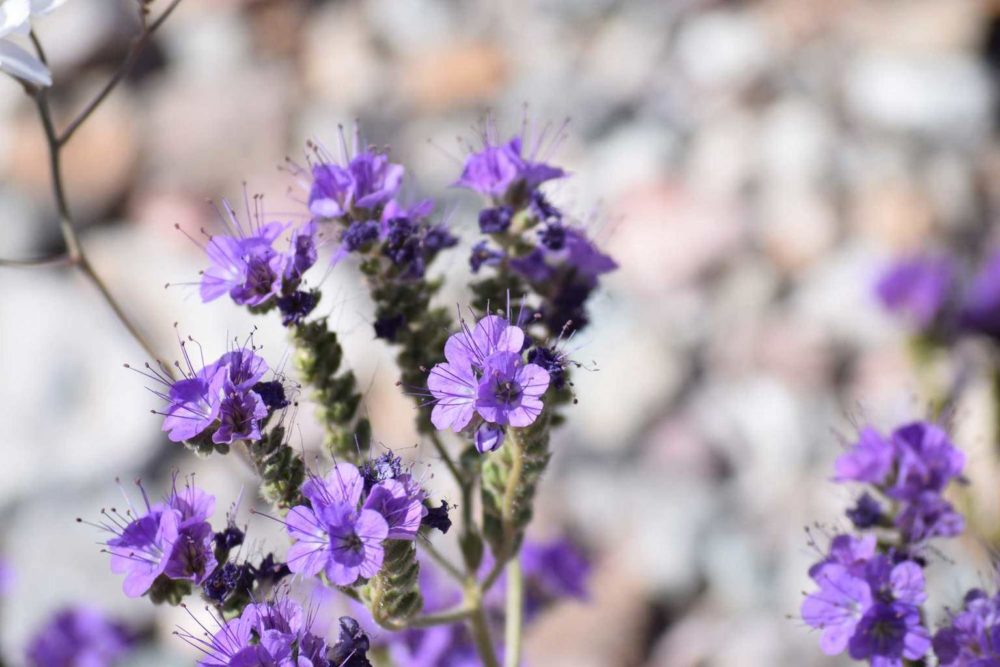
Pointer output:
558, 260
867, 603
871, 586
485, 375
928, 290
79, 636
972, 636
246, 265
222, 402
909, 470
171, 539
349, 516
277, 633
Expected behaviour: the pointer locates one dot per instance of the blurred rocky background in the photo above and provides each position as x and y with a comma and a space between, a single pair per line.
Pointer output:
751, 165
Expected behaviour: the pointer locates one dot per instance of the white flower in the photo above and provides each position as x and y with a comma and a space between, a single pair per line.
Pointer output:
15, 23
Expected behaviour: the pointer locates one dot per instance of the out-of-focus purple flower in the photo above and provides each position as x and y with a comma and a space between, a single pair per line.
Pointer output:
927, 460
498, 168
869, 460
369, 180
929, 515
980, 310
485, 374
917, 287
296, 306
483, 255
552, 571
972, 636
359, 234
79, 637
495, 220
866, 513
889, 633
7, 578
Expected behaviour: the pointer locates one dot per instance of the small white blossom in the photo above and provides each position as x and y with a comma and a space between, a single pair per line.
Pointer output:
15, 24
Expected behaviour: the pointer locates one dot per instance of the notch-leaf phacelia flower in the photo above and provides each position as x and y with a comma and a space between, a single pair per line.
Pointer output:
220, 403
245, 264
485, 376
349, 516
170, 539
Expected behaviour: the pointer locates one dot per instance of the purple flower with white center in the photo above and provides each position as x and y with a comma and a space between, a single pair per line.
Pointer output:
917, 287
483, 255
485, 374
980, 309
510, 391
79, 636
195, 403
334, 535
336, 539
972, 636
239, 417
869, 460
498, 168
369, 180
400, 501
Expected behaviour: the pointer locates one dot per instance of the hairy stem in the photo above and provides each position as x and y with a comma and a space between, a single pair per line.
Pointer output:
514, 621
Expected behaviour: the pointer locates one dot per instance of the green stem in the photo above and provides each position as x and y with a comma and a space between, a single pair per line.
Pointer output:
440, 559
481, 638
510, 493
429, 620
514, 623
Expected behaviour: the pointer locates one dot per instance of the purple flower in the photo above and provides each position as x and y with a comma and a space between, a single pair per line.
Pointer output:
866, 513
564, 248
172, 538
79, 636
270, 634
351, 649
369, 180
869, 460
194, 405
337, 539
400, 501
334, 535
972, 636
385, 466
929, 515
510, 391
552, 571
302, 251
244, 265
497, 168
296, 306
489, 437
916, 287
927, 460
359, 234
888, 633
485, 374
981, 303
837, 607
239, 417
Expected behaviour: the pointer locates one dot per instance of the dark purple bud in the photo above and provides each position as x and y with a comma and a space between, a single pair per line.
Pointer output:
351, 649
437, 517
272, 393
495, 220
296, 306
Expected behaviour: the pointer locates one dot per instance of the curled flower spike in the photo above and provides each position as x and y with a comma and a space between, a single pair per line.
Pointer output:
172, 539
486, 375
